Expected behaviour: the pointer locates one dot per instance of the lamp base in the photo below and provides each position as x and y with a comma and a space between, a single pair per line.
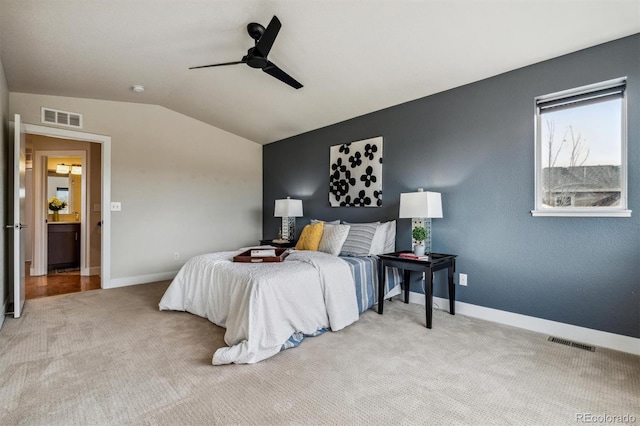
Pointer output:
288, 228
426, 224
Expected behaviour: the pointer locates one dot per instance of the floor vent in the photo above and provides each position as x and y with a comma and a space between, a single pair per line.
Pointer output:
572, 344
61, 118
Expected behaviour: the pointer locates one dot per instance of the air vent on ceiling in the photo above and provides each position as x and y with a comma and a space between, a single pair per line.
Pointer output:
572, 344
61, 118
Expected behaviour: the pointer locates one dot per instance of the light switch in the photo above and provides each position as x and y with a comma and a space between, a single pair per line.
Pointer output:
96, 207
116, 206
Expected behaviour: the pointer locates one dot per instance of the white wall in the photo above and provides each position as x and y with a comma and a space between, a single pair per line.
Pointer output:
184, 185
4, 148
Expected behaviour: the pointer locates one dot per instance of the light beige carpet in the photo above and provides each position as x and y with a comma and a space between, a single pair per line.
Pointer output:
110, 357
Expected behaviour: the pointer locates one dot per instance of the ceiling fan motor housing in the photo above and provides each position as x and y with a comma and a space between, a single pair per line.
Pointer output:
255, 30
255, 61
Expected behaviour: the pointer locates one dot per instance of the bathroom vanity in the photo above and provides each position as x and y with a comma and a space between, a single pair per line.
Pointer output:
63, 249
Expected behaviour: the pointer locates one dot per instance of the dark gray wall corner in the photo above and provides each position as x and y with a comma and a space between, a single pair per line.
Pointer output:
475, 145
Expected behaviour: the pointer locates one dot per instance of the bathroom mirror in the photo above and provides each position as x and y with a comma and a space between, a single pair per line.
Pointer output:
59, 186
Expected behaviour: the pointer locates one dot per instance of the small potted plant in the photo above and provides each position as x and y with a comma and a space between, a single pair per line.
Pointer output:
419, 234
55, 205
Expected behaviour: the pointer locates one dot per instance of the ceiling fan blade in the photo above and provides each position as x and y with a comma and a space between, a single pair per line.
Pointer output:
218, 65
276, 72
263, 46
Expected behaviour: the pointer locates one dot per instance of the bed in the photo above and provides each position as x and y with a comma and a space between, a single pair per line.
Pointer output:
269, 307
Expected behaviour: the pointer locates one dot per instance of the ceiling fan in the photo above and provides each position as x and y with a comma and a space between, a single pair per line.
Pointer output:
256, 56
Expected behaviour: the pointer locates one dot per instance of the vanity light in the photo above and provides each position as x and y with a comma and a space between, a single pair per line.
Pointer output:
62, 169
288, 210
76, 169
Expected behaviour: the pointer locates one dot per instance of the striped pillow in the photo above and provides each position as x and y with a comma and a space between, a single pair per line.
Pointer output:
359, 240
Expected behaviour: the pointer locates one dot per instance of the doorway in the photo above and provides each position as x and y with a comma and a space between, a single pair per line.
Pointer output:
60, 184
83, 192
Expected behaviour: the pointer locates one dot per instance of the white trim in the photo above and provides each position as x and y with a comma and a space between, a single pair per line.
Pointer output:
105, 141
141, 279
557, 329
578, 213
39, 248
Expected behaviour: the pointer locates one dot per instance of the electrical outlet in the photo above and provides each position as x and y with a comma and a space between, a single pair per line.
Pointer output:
116, 206
463, 279
176, 255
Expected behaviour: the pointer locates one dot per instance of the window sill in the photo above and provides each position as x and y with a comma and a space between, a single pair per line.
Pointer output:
581, 213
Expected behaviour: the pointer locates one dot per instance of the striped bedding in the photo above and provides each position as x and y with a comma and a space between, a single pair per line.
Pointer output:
365, 275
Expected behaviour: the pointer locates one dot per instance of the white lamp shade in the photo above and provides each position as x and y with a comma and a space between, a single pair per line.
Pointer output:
62, 169
76, 170
420, 204
288, 208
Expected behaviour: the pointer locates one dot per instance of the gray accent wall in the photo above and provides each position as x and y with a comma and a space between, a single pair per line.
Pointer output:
475, 145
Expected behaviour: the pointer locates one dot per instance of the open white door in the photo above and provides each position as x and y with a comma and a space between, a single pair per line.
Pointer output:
16, 215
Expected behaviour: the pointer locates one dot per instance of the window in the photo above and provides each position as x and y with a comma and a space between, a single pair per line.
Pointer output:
581, 151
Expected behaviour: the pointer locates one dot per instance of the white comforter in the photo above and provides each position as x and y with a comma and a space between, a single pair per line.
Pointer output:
262, 305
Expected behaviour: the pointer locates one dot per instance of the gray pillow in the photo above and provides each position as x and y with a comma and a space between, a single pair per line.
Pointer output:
327, 222
359, 240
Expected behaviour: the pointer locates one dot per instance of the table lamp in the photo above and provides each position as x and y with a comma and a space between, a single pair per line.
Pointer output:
421, 206
288, 210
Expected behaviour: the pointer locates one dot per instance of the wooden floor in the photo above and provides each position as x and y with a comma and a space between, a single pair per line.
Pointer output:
61, 282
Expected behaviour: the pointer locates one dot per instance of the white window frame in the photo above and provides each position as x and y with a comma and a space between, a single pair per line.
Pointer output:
581, 94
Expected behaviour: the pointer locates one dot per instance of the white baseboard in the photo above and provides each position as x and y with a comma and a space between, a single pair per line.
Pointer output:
557, 329
140, 279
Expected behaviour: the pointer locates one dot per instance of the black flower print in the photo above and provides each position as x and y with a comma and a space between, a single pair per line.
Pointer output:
338, 187
355, 160
368, 178
338, 166
370, 150
378, 195
346, 202
361, 199
344, 148
347, 177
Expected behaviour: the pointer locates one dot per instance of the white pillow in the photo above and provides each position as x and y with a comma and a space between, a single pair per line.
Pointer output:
378, 244
390, 243
333, 238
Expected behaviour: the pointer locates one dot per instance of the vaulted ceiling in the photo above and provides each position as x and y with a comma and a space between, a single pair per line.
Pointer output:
352, 56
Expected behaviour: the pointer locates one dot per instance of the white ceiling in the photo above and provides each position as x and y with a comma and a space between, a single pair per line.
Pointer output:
353, 57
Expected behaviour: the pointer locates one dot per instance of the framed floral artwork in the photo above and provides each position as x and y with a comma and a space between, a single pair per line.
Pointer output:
355, 174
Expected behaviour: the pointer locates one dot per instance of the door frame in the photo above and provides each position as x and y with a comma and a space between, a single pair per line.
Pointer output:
39, 263
105, 143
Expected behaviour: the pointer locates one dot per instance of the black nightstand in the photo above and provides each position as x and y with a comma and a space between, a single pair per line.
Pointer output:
435, 262
288, 244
